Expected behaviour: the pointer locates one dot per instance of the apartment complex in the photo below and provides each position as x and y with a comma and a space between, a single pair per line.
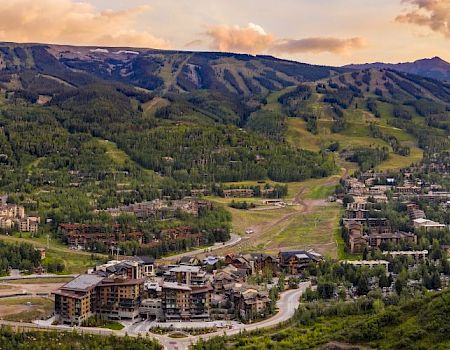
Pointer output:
87, 237
13, 217
94, 295
160, 208
185, 302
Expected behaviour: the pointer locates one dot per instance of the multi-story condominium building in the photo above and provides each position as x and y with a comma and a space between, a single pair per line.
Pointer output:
6, 223
75, 302
160, 208
93, 295
13, 217
378, 239
133, 268
418, 255
83, 236
369, 263
152, 309
238, 193
29, 224
414, 212
190, 275
181, 301
12, 211
119, 298
249, 302
357, 213
357, 241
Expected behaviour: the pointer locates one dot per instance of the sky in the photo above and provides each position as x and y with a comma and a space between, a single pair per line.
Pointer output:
331, 32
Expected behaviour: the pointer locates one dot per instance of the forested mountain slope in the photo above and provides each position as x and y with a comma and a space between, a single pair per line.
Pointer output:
153, 123
377, 117
155, 70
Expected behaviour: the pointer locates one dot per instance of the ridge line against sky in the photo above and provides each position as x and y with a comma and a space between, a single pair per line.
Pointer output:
332, 32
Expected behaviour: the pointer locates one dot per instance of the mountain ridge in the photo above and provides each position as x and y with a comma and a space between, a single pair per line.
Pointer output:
161, 70
434, 67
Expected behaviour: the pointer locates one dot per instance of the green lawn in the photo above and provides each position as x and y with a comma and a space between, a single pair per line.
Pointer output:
115, 326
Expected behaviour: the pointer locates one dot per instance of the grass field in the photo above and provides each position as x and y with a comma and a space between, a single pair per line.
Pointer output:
244, 219
25, 309
312, 230
309, 221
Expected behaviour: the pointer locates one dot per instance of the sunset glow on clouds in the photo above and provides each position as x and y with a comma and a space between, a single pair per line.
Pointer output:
249, 39
254, 39
434, 14
325, 32
67, 21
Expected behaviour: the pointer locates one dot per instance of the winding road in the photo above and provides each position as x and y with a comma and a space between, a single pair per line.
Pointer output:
287, 305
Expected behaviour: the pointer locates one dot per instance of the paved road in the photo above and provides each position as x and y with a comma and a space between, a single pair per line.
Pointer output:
35, 276
287, 304
234, 239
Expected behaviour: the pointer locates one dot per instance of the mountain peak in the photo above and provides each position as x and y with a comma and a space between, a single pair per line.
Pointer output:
433, 60
434, 67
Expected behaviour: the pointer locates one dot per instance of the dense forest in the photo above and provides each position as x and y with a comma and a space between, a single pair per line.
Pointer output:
21, 256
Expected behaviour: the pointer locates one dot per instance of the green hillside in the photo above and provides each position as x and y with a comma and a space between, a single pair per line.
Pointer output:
422, 323
369, 110
85, 129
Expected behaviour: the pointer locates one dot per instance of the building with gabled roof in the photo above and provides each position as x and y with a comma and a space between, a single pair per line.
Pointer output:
298, 260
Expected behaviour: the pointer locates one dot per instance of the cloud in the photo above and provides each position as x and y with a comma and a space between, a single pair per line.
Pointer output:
194, 43
319, 45
68, 21
254, 39
250, 39
434, 14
